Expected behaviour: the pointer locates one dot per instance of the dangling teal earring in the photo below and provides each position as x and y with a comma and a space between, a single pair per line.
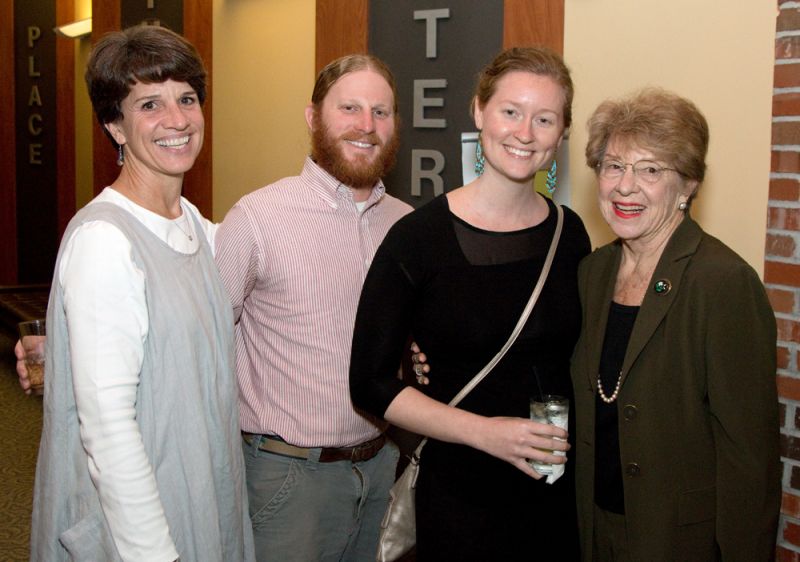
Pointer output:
480, 159
552, 176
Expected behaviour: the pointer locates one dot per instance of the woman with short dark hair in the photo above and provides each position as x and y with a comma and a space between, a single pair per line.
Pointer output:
140, 457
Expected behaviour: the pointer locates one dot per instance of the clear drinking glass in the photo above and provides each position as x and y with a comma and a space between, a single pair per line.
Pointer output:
552, 410
32, 335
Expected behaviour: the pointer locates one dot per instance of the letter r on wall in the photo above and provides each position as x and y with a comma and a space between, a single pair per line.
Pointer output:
418, 174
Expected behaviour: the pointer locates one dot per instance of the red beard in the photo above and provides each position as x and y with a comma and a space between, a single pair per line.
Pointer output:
360, 173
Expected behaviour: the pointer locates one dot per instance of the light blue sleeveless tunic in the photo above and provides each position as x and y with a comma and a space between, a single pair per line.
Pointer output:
186, 408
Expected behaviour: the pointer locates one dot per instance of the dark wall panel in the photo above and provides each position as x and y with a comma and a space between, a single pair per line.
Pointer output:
446, 44
35, 126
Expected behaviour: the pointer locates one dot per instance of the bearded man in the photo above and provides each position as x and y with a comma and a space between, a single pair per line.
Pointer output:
293, 256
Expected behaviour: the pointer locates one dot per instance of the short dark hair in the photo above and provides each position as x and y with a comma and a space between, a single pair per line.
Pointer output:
334, 70
142, 53
536, 60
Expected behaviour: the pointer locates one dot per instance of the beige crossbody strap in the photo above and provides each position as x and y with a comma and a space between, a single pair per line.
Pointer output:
520, 323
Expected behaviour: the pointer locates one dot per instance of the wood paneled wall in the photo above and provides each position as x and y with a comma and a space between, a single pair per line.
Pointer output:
534, 22
65, 139
197, 28
105, 18
65, 117
342, 26
8, 150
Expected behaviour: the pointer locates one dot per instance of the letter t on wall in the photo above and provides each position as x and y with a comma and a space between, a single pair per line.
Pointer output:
430, 17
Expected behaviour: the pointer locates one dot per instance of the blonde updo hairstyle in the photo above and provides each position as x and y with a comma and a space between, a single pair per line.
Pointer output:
536, 60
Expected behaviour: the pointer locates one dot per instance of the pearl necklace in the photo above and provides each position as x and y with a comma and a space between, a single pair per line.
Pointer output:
603, 397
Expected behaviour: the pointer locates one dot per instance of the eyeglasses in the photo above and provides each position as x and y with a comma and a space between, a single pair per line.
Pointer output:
646, 170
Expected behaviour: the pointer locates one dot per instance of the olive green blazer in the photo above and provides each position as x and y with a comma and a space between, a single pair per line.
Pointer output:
698, 408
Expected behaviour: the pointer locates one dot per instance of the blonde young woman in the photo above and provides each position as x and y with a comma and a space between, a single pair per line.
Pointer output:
457, 274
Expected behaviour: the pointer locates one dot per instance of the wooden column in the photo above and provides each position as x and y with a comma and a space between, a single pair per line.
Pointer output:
105, 18
197, 28
534, 22
341, 29
8, 150
65, 117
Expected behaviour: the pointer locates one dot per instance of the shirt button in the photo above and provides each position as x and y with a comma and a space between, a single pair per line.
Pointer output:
629, 412
632, 469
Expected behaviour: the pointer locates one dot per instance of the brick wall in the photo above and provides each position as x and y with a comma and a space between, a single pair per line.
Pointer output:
782, 263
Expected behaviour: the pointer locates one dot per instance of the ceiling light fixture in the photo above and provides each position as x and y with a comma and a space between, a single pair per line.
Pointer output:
75, 29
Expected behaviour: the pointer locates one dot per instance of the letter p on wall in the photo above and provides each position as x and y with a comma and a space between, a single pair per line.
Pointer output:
34, 32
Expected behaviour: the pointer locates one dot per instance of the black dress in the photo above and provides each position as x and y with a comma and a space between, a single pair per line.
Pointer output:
460, 291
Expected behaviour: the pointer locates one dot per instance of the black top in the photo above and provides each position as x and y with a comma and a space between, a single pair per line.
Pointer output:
485, 247
608, 491
460, 291
422, 284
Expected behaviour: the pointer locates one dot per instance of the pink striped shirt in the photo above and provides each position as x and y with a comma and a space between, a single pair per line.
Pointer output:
293, 257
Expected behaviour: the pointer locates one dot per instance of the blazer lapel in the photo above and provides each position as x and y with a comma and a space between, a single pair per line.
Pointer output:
664, 288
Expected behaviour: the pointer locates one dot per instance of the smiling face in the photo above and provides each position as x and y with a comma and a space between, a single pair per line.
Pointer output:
161, 128
521, 126
354, 129
643, 215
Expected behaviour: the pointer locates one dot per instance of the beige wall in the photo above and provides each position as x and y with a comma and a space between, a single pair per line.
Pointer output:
719, 54
263, 73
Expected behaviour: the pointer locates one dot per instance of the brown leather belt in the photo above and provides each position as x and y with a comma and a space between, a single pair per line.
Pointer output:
358, 453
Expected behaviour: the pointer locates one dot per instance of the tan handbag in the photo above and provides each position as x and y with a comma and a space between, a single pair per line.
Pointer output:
399, 525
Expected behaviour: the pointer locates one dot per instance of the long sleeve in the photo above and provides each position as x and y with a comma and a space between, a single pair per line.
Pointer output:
383, 324
104, 296
237, 257
741, 367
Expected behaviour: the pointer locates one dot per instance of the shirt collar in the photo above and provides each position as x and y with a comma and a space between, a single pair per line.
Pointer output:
331, 189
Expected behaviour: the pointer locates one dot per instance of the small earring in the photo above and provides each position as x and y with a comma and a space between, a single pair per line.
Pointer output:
552, 177
683, 205
120, 155
480, 159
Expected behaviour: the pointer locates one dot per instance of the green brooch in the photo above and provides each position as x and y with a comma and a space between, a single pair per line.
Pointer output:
662, 287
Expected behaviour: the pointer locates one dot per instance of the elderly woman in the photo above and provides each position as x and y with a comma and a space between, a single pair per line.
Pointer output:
140, 456
458, 273
674, 371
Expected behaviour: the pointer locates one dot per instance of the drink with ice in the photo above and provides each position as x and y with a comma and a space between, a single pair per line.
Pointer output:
552, 410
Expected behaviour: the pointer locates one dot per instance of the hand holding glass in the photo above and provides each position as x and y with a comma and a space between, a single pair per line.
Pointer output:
551, 410
32, 336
